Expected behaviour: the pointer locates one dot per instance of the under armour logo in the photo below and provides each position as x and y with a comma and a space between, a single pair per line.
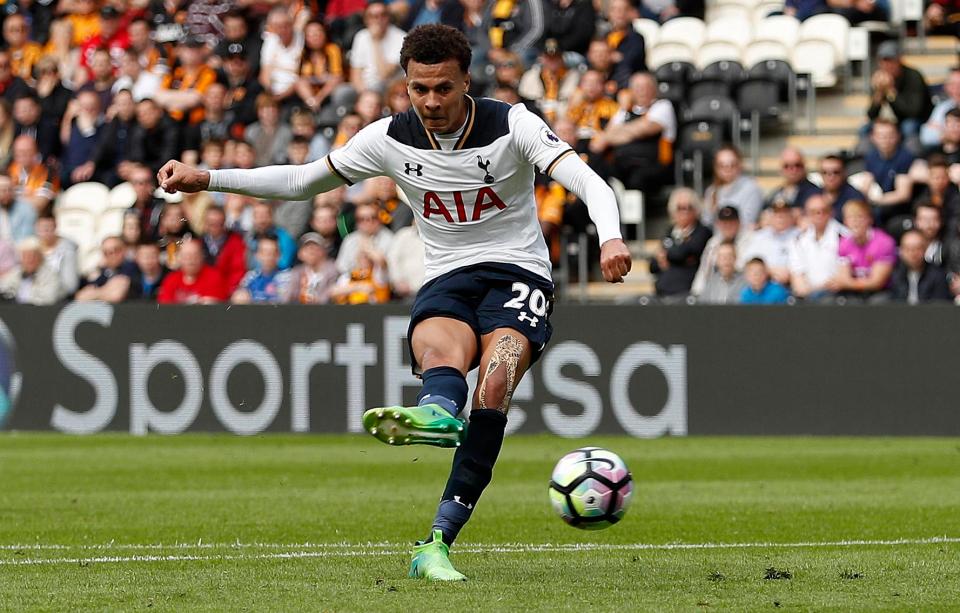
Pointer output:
523, 317
410, 168
456, 499
487, 177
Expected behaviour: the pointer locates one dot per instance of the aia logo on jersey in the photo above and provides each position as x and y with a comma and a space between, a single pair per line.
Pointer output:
486, 199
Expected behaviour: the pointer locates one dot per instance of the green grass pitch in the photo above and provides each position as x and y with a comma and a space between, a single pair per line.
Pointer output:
324, 523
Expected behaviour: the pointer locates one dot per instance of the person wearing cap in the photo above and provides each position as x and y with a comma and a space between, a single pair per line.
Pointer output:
899, 93
549, 82
726, 229
223, 249
678, 258
814, 257
772, 243
32, 282
181, 92
310, 281
629, 55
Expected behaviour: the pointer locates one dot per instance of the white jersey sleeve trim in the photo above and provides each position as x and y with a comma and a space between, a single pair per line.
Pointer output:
536, 143
574, 174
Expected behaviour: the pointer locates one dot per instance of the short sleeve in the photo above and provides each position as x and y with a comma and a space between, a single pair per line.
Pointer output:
362, 156
661, 113
359, 51
535, 142
887, 249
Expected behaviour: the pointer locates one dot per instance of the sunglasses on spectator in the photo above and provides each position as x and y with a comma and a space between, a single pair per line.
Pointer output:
831, 172
793, 165
366, 218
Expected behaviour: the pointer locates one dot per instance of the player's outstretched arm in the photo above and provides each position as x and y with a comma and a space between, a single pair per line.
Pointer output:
574, 174
274, 182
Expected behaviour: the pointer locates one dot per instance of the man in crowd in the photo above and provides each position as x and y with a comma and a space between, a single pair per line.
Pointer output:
772, 243
195, 282
32, 282
263, 225
224, 249
375, 54
888, 164
311, 281
836, 190
915, 280
117, 279
266, 284
370, 233
814, 257
899, 93
152, 272
796, 187
726, 229
867, 256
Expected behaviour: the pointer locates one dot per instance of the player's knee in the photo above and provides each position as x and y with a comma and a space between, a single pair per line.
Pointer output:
434, 357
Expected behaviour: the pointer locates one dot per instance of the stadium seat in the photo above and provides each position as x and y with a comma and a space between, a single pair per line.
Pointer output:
717, 79
779, 72
778, 28
668, 52
765, 8
717, 51
649, 30
697, 142
77, 224
738, 11
675, 72
121, 196
88, 196
631, 206
831, 28
688, 31
763, 50
110, 223
816, 58
719, 110
672, 92
730, 30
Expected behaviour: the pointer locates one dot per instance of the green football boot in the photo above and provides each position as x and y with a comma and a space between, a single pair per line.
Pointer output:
428, 424
431, 561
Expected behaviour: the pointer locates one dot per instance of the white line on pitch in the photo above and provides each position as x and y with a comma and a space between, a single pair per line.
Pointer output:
385, 549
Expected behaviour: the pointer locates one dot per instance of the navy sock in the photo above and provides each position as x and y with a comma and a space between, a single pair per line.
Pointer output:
445, 386
471, 472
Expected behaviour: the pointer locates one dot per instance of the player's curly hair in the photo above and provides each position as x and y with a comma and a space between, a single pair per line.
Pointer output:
433, 44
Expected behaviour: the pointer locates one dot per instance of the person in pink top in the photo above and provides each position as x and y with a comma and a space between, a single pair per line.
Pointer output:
867, 257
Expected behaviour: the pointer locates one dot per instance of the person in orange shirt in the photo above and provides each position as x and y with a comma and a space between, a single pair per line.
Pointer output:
33, 179
321, 68
366, 283
24, 53
589, 108
83, 16
182, 90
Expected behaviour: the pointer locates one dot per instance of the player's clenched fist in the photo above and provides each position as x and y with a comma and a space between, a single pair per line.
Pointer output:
615, 260
178, 177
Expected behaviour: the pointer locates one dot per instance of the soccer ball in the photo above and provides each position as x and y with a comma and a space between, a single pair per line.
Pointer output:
590, 488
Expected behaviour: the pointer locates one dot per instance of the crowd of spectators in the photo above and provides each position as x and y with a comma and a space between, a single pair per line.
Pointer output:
107, 91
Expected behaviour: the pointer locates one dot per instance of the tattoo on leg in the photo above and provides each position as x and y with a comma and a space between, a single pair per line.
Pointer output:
506, 354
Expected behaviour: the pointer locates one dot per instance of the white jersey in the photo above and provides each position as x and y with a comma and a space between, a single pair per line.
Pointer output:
474, 200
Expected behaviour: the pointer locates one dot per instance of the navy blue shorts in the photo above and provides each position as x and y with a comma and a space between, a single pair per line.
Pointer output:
487, 297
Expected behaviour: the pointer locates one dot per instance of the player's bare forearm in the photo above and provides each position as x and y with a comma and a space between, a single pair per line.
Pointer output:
615, 260
176, 176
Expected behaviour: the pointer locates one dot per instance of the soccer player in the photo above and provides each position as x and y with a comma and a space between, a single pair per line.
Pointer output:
466, 166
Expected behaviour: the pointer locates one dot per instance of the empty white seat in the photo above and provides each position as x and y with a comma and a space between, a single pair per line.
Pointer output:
649, 30
816, 58
78, 224
831, 28
688, 31
780, 28
664, 53
122, 197
740, 12
717, 51
763, 10
730, 30
110, 223
90, 196
763, 50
